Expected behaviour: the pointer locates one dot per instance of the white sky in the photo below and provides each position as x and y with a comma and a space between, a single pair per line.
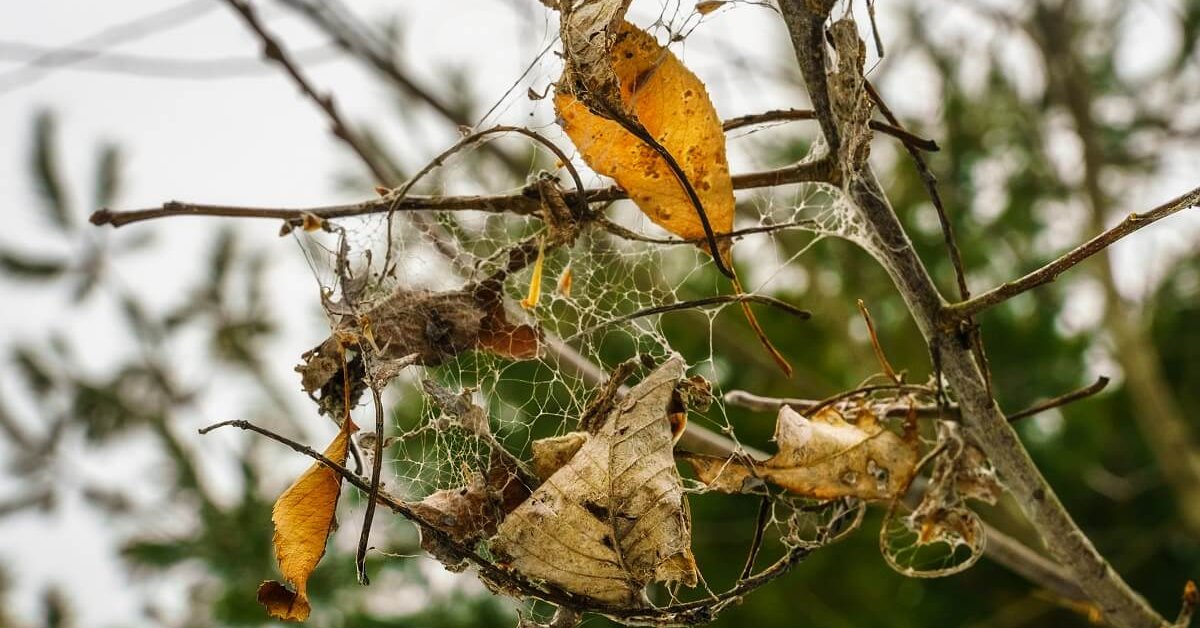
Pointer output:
254, 140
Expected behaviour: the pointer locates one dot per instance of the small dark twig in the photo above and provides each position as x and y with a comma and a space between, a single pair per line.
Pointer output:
782, 115
966, 309
636, 129
720, 299
1061, 400
364, 539
930, 183
888, 371
760, 529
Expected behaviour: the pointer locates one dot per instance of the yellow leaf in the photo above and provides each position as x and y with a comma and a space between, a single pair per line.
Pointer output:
673, 106
535, 280
303, 517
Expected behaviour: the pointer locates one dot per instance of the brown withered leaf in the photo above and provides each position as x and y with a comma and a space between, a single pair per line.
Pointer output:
613, 518
303, 517
471, 513
825, 457
672, 105
550, 454
960, 473
435, 326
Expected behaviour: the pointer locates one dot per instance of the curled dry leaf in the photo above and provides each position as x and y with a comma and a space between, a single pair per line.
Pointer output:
942, 535
418, 326
961, 472
613, 518
471, 513
673, 107
589, 32
303, 517
825, 457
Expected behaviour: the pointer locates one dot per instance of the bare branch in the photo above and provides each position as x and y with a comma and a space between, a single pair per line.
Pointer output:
522, 203
780, 115
1049, 272
1061, 400
759, 403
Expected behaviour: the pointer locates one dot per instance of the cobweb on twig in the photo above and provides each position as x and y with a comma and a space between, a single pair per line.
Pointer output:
591, 291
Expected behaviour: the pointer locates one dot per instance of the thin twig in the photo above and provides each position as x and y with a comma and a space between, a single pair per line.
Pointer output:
760, 529
364, 538
629, 234
760, 403
349, 33
719, 299
930, 183
395, 197
523, 203
1049, 272
1061, 400
782, 115
880, 356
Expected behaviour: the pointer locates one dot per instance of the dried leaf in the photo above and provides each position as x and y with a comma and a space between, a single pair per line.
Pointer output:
708, 6
942, 535
518, 342
436, 326
673, 106
303, 517
471, 513
550, 454
823, 458
613, 518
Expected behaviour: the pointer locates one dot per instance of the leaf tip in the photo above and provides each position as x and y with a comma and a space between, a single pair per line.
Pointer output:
283, 603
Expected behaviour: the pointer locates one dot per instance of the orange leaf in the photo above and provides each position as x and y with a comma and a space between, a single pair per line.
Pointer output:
535, 280
673, 106
303, 517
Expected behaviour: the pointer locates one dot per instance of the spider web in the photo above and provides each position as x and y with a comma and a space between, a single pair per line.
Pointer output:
611, 276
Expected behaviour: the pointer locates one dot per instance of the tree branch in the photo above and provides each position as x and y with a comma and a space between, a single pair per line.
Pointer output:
982, 418
1051, 271
275, 52
778, 115
522, 203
